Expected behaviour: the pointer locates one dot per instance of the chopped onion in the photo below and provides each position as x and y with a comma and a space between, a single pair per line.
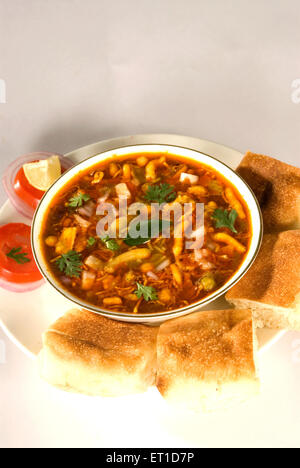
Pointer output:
102, 208
88, 280
88, 209
200, 257
82, 222
163, 265
94, 262
66, 280
152, 275
201, 253
123, 191
193, 179
104, 197
207, 265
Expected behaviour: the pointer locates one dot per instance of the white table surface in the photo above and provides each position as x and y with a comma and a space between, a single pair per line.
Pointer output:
78, 71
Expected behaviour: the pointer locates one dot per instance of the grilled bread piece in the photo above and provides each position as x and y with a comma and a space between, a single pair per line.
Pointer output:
206, 361
271, 288
277, 187
87, 353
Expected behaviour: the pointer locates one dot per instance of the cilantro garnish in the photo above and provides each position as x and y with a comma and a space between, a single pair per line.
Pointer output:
78, 200
19, 256
70, 263
111, 244
225, 219
156, 226
162, 193
147, 292
91, 241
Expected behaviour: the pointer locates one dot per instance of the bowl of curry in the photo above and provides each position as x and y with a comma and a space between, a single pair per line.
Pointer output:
146, 233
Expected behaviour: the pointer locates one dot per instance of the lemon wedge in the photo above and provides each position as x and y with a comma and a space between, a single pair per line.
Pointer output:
42, 174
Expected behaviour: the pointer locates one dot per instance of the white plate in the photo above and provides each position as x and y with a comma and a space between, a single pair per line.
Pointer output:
24, 317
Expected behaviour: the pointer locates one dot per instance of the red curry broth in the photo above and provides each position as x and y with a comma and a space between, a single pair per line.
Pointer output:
168, 276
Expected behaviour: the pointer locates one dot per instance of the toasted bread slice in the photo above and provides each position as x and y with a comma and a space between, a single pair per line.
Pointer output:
271, 288
277, 187
206, 361
87, 353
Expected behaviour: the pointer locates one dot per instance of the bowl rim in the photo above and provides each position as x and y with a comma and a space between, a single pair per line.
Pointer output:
160, 315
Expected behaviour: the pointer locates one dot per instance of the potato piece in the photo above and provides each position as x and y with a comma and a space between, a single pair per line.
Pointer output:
51, 241
142, 161
110, 301
132, 298
198, 190
66, 241
165, 296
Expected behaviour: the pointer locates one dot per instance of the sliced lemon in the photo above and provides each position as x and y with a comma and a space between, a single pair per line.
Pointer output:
42, 174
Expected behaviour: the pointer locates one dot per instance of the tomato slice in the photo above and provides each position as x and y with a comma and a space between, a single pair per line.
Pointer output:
25, 191
12, 268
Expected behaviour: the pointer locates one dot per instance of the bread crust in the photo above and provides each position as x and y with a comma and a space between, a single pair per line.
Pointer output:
277, 188
203, 354
274, 279
88, 353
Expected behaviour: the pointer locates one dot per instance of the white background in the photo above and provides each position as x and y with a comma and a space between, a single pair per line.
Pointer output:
78, 71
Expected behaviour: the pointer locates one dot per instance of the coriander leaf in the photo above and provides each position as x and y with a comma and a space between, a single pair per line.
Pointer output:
111, 244
162, 193
147, 292
78, 200
91, 241
70, 263
225, 219
17, 255
134, 242
152, 225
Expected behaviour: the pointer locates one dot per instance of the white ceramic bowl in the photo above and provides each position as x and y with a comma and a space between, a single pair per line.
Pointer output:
227, 173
